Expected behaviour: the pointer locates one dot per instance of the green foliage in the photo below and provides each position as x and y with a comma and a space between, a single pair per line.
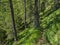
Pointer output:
52, 33
29, 37
3, 36
49, 21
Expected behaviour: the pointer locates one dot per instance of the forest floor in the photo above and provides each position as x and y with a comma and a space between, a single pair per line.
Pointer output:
42, 40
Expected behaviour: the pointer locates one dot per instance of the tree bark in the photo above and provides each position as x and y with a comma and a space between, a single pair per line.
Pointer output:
25, 13
31, 10
13, 21
36, 15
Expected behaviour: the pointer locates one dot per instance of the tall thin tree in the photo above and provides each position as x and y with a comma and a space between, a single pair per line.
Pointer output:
25, 13
30, 3
13, 21
36, 15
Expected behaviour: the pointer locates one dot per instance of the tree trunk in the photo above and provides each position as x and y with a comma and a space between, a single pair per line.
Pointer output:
56, 3
31, 10
36, 15
25, 13
13, 21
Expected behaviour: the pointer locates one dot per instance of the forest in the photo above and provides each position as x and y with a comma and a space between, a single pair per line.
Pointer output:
29, 22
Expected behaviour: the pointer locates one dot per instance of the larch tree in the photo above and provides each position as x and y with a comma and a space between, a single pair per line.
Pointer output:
13, 21
36, 15
31, 10
25, 13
